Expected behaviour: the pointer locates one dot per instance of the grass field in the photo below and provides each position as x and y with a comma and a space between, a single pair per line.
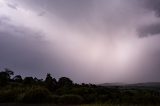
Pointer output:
71, 105
116, 105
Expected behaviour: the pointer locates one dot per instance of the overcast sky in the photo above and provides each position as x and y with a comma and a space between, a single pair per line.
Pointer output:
91, 41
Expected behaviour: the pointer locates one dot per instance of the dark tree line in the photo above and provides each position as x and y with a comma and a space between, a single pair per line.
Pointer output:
15, 89
49, 82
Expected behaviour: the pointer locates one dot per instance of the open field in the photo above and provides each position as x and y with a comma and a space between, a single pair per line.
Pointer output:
5, 104
116, 105
71, 105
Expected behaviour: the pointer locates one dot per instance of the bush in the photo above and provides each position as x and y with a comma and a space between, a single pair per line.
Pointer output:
7, 96
37, 95
55, 99
70, 99
102, 98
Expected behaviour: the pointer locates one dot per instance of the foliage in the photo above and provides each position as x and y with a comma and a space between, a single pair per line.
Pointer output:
37, 95
65, 82
5, 76
18, 78
28, 80
10, 94
55, 99
33, 90
50, 82
70, 99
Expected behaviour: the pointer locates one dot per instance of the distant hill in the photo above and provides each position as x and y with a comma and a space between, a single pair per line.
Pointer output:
112, 84
146, 84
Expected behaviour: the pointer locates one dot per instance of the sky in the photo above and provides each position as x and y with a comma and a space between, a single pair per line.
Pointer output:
88, 41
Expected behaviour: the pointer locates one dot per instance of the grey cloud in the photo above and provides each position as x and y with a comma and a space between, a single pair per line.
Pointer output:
148, 4
153, 5
151, 68
42, 13
69, 10
153, 29
25, 51
4, 19
13, 6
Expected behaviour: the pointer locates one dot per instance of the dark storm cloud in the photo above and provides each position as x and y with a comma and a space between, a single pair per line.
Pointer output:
24, 50
153, 29
70, 10
153, 5
78, 10
92, 38
149, 4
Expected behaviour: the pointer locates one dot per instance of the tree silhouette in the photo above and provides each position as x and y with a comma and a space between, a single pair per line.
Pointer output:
28, 80
9, 72
5, 76
50, 82
18, 78
65, 82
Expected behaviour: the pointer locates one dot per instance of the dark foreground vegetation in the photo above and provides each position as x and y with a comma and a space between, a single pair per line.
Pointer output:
15, 89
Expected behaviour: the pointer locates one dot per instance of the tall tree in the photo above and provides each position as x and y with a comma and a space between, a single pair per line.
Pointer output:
65, 82
5, 76
50, 82
28, 80
18, 78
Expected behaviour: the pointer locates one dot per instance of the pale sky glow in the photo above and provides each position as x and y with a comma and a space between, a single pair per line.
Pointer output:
89, 41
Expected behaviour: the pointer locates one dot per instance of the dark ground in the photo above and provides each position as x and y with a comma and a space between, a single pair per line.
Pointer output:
4, 104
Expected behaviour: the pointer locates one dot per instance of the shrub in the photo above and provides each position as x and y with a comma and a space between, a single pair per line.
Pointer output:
8, 96
55, 99
37, 95
70, 99
102, 98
